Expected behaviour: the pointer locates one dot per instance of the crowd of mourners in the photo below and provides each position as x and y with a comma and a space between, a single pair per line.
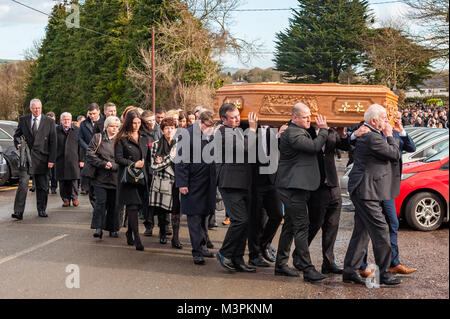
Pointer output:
421, 115
133, 168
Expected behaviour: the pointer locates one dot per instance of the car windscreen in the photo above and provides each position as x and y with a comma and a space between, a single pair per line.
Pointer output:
441, 150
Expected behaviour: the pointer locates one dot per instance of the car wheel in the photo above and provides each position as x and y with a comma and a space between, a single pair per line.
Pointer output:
424, 211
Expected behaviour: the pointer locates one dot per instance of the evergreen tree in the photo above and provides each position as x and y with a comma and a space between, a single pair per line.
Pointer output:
322, 40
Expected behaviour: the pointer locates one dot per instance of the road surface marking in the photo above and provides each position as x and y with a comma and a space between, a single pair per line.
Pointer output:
29, 250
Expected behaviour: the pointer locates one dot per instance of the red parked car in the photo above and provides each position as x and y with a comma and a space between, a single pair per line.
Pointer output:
423, 199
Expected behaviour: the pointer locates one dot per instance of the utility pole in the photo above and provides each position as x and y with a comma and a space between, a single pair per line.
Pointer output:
153, 70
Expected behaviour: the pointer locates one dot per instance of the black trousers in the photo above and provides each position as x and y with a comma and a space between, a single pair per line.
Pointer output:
324, 207
41, 184
369, 223
237, 203
106, 212
68, 190
132, 212
198, 233
295, 227
265, 217
53, 183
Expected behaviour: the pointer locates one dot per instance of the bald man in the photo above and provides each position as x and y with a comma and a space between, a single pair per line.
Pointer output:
298, 175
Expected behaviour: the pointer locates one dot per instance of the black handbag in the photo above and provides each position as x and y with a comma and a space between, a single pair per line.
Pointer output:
133, 176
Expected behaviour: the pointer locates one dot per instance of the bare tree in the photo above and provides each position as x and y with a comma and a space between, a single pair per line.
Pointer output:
216, 16
185, 70
433, 16
13, 81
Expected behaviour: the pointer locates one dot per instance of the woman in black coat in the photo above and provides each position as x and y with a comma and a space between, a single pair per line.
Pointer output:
100, 155
68, 160
197, 185
131, 149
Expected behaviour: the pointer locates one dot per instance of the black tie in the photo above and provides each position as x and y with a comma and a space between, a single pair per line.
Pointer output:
34, 127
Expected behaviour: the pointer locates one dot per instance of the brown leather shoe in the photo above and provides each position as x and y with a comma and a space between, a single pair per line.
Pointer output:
66, 204
366, 273
226, 221
400, 269
75, 202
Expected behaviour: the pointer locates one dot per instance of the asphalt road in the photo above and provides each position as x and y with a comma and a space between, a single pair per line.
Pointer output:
35, 254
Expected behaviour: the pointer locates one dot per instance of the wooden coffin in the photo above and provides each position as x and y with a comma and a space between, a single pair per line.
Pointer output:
343, 105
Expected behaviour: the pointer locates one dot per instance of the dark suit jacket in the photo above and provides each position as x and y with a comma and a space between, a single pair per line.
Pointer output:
234, 175
262, 180
375, 174
98, 128
327, 164
86, 132
42, 146
298, 167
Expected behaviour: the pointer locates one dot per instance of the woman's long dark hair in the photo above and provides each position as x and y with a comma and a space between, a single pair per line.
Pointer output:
127, 126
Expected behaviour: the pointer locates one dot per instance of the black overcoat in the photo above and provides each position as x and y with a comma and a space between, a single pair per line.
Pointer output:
69, 155
200, 178
105, 178
42, 146
127, 152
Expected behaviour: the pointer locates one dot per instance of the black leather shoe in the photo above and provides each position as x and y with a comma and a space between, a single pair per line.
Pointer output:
17, 216
225, 262
163, 240
244, 268
98, 233
209, 245
285, 271
211, 226
331, 269
207, 254
177, 245
113, 234
390, 281
269, 253
42, 214
353, 278
32, 189
53, 191
312, 275
198, 260
258, 262
140, 247
130, 240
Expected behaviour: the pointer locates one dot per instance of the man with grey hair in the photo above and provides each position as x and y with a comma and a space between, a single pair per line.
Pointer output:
298, 174
374, 178
69, 160
35, 136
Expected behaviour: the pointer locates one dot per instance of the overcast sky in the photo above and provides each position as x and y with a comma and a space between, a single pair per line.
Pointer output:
20, 26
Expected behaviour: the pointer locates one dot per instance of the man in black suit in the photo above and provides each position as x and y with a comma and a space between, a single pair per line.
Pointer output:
37, 133
85, 134
298, 174
324, 205
233, 171
266, 213
371, 181
109, 109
